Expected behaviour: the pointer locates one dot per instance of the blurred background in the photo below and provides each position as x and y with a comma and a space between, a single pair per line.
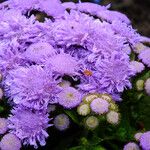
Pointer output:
137, 10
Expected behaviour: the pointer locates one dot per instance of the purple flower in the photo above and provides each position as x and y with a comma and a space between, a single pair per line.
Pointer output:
64, 64
109, 75
69, 97
39, 52
145, 141
99, 106
10, 142
61, 122
145, 56
32, 86
137, 66
29, 125
131, 146
147, 86
3, 125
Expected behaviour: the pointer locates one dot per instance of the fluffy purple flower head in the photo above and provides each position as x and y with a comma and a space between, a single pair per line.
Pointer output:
39, 52
145, 56
29, 125
137, 66
10, 142
69, 97
99, 106
32, 86
131, 146
147, 86
61, 122
145, 141
3, 125
64, 63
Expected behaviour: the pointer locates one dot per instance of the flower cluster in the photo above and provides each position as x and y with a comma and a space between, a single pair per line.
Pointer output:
73, 55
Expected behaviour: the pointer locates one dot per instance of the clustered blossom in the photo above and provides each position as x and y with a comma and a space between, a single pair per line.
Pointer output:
89, 45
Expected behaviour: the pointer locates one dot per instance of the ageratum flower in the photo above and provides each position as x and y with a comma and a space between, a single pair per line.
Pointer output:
64, 63
69, 97
99, 106
137, 66
10, 142
32, 86
61, 122
145, 56
131, 146
39, 52
147, 86
145, 140
29, 125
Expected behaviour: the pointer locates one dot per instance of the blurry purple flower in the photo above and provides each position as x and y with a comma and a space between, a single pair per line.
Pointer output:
131, 146
61, 122
10, 142
29, 125
145, 141
3, 125
137, 66
145, 56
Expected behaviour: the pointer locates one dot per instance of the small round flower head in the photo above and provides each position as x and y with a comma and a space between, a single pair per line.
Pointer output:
147, 86
83, 109
39, 52
1, 93
137, 66
69, 97
10, 142
145, 56
139, 47
91, 122
29, 125
113, 117
99, 106
145, 141
138, 135
64, 64
131, 146
61, 122
140, 85
3, 125
90, 97
33, 87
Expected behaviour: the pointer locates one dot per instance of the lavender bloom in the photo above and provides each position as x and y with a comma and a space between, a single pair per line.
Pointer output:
39, 52
33, 87
147, 86
137, 66
131, 146
61, 122
64, 64
69, 97
109, 75
145, 56
145, 141
3, 125
29, 125
10, 142
99, 106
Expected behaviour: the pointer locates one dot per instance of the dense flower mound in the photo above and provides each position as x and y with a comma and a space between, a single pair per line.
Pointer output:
30, 126
63, 56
